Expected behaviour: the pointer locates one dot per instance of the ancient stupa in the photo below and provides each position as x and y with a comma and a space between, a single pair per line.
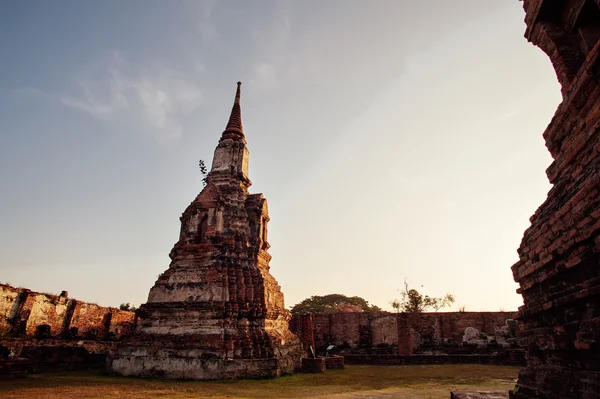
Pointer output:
216, 312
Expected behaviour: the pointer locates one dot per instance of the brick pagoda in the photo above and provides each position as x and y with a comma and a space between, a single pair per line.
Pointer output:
559, 259
216, 312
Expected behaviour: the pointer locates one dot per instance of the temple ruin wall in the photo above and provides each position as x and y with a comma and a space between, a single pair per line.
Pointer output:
33, 314
369, 330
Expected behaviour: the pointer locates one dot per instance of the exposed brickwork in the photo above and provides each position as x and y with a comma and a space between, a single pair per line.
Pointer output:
91, 321
216, 312
121, 324
508, 357
334, 362
302, 326
53, 354
398, 333
405, 335
91, 346
559, 266
25, 313
46, 309
314, 365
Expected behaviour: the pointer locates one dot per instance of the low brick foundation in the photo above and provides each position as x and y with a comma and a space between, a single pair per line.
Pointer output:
19, 357
313, 365
15, 368
432, 359
334, 362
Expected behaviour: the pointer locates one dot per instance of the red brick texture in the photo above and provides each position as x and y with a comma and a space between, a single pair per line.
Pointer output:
559, 266
368, 331
24, 313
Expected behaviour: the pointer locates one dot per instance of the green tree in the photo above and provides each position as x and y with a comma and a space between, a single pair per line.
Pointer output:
396, 305
127, 306
412, 301
333, 303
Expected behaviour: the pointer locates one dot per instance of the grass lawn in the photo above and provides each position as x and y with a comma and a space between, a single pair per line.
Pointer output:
365, 382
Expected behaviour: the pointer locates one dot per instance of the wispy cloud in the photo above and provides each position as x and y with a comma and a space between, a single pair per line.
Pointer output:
271, 46
94, 106
158, 99
203, 13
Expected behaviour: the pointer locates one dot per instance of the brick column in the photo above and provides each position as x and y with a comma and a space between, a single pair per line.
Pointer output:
405, 341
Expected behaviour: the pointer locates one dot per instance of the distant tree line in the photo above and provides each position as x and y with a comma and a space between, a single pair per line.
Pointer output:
333, 303
127, 306
411, 301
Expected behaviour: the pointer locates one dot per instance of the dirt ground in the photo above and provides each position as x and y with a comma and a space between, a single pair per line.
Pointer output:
355, 382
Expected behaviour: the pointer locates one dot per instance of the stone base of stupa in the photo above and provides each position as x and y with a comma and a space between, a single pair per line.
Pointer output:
151, 362
205, 342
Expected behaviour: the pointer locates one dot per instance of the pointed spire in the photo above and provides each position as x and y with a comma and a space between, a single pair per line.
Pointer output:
235, 119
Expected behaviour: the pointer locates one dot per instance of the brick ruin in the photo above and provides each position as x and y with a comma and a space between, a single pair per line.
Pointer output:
56, 332
559, 266
216, 312
51, 332
28, 314
379, 334
368, 330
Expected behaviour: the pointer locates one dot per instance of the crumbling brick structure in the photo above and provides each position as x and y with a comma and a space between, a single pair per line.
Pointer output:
216, 312
404, 333
559, 266
54, 332
29, 314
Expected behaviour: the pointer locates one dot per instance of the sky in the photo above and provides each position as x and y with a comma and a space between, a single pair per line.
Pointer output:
394, 140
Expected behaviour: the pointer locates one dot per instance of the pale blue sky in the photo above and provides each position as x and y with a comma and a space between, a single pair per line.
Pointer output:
393, 140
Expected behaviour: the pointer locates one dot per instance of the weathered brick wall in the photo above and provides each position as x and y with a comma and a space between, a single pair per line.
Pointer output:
91, 320
436, 327
384, 330
321, 330
559, 258
45, 309
338, 327
302, 326
122, 323
27, 313
378, 329
51, 354
8, 300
